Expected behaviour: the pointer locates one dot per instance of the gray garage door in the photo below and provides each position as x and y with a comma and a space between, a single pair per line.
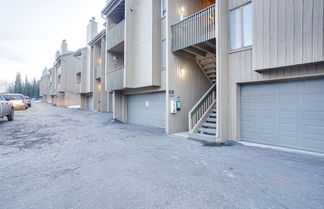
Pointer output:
147, 109
288, 114
90, 102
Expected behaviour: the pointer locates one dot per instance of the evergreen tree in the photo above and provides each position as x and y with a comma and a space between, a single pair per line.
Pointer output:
18, 88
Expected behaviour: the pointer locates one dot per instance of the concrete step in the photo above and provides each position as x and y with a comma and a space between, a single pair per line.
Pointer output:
209, 125
209, 131
211, 120
203, 137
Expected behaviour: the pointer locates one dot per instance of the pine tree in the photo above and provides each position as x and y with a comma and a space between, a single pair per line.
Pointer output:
18, 88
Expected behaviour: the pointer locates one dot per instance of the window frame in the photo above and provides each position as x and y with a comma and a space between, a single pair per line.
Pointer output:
163, 8
241, 30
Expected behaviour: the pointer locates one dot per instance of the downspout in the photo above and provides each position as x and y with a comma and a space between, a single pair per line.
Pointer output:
218, 107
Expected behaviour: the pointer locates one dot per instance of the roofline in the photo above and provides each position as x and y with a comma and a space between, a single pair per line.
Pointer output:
107, 7
63, 55
97, 37
79, 52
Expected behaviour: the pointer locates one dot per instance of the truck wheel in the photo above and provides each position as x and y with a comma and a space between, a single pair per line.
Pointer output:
11, 116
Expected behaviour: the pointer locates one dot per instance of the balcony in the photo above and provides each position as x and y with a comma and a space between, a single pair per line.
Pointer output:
97, 72
115, 79
115, 35
195, 29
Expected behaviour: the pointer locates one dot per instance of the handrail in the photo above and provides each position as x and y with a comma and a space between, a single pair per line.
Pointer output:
194, 14
201, 107
196, 28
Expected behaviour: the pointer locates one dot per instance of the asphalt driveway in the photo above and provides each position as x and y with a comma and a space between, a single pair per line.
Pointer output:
53, 157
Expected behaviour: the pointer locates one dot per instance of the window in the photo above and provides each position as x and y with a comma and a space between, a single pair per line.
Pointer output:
163, 8
241, 27
163, 53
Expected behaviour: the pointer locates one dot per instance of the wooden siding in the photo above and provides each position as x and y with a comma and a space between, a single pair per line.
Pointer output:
236, 3
287, 32
115, 35
115, 79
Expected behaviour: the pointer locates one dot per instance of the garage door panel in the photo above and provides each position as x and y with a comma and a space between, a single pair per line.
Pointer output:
147, 109
314, 85
289, 114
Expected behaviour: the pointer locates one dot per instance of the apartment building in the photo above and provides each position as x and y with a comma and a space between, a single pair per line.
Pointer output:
101, 98
224, 70
52, 85
83, 79
44, 86
150, 84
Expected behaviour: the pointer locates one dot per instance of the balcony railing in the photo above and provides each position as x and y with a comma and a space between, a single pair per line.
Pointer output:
115, 79
115, 35
197, 28
98, 72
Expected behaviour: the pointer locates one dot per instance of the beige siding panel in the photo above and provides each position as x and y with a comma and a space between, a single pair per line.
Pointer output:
298, 30
274, 37
266, 32
236, 3
287, 33
281, 33
308, 31
290, 32
318, 30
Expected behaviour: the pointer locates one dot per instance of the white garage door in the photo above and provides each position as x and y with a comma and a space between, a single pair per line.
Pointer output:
147, 109
90, 102
288, 114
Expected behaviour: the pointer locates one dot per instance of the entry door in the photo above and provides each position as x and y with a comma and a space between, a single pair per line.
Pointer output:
90, 102
287, 114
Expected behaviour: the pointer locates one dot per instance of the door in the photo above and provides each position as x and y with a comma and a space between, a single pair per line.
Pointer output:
288, 114
147, 109
90, 102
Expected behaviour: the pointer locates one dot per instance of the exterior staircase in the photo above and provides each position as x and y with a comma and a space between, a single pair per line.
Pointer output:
207, 130
203, 117
208, 66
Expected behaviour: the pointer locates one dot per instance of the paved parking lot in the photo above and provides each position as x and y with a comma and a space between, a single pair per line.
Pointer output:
53, 157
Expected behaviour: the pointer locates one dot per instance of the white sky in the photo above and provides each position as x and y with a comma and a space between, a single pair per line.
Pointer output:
31, 32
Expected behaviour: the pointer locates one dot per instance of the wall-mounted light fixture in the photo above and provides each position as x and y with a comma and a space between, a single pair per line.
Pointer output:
182, 12
182, 71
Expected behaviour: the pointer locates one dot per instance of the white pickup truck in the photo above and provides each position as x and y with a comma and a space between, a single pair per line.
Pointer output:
6, 109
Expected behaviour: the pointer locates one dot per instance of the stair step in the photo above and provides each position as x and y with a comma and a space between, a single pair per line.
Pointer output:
214, 110
214, 80
211, 120
212, 115
208, 62
210, 71
207, 130
209, 125
212, 76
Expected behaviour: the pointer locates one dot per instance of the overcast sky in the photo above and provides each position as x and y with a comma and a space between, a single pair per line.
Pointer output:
32, 30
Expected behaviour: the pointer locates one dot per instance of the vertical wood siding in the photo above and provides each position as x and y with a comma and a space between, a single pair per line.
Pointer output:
286, 32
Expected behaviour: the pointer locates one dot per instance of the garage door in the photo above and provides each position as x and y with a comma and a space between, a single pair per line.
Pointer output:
147, 109
90, 102
288, 114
